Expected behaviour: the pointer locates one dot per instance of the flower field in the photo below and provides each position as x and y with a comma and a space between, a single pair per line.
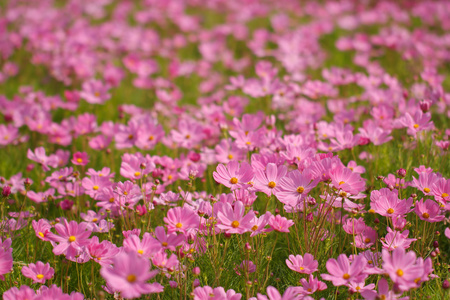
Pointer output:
224, 149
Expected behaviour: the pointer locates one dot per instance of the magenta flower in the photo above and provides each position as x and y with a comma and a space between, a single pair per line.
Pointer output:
208, 293
6, 259
80, 158
268, 181
181, 219
71, 238
25, 292
313, 285
441, 190
102, 253
168, 241
342, 272
295, 186
279, 223
387, 203
396, 239
291, 293
302, 264
129, 275
39, 156
38, 272
147, 247
42, 229
383, 292
232, 220
347, 181
428, 211
402, 268
95, 92
234, 175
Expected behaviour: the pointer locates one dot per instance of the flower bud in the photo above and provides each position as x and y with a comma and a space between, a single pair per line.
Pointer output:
196, 282
401, 173
445, 284
196, 271
6, 191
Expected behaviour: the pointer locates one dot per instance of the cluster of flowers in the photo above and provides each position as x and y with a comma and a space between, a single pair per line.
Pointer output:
302, 167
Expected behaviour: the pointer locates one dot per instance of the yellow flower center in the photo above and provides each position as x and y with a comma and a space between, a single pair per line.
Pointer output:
235, 224
39, 276
372, 211
79, 160
151, 138
131, 278
272, 184
179, 225
426, 190
400, 272
94, 220
416, 126
233, 180
343, 194
111, 200
255, 227
140, 251
230, 156
370, 261
169, 177
95, 187
417, 280
125, 193
41, 234
72, 238
444, 195
249, 143
426, 215
357, 288
136, 174
165, 244
367, 240
390, 211
130, 137
300, 189
346, 276
301, 268
341, 182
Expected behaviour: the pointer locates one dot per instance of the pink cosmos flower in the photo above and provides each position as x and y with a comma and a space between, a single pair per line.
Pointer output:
279, 223
38, 272
42, 229
342, 272
39, 156
295, 186
383, 292
168, 241
305, 264
397, 239
426, 182
259, 224
71, 238
234, 175
6, 259
291, 293
129, 275
102, 253
147, 247
428, 211
181, 219
387, 203
268, 181
25, 292
313, 285
402, 268
80, 158
95, 92
232, 220
218, 293
441, 190
344, 179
